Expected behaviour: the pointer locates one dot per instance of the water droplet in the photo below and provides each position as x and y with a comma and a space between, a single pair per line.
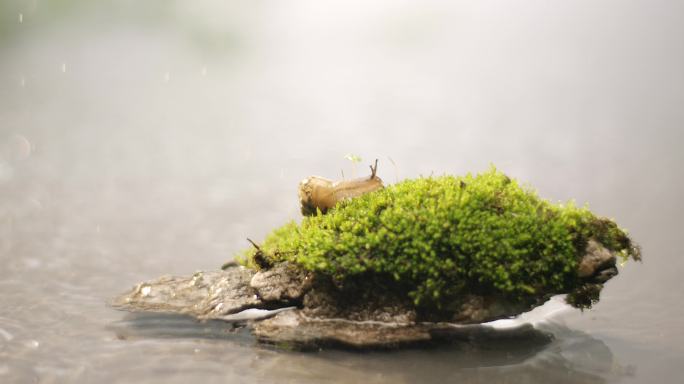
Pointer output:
167, 76
32, 263
197, 350
204, 71
19, 147
22, 81
34, 344
21, 18
64, 67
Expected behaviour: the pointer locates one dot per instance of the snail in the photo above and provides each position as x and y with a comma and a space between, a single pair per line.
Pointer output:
318, 193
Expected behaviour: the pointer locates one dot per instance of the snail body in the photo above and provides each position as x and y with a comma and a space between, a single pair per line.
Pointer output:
319, 193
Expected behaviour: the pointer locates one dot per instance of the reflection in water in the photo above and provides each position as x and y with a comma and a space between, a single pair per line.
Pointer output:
160, 325
549, 353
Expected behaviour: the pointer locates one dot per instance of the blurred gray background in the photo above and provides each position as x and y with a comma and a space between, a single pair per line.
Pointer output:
145, 138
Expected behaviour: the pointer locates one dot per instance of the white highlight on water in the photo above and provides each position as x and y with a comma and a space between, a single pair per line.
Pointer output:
542, 314
33, 344
254, 314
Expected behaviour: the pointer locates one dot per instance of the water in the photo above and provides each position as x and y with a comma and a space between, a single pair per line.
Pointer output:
145, 139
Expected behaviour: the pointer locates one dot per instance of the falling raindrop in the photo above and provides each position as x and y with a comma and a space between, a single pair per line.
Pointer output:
19, 148
6, 335
204, 71
22, 81
36, 204
6, 172
167, 76
64, 68
21, 18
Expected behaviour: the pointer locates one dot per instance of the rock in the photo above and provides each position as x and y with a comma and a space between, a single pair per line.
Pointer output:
479, 309
596, 258
605, 275
325, 300
358, 314
294, 329
202, 295
283, 282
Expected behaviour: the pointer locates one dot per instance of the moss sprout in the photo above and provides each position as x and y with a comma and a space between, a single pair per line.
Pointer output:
443, 237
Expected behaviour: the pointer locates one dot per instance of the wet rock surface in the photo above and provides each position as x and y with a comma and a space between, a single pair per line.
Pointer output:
479, 309
598, 264
283, 282
286, 306
205, 295
294, 328
597, 259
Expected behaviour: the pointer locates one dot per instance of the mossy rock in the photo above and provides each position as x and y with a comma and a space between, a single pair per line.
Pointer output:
439, 241
423, 261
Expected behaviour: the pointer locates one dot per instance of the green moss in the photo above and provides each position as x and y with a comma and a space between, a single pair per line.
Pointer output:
445, 236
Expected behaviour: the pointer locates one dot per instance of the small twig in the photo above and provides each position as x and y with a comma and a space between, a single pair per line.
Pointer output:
259, 257
254, 244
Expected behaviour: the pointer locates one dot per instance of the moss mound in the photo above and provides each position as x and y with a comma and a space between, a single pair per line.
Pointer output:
439, 238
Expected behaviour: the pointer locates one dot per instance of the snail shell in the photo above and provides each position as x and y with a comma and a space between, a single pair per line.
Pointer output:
319, 193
